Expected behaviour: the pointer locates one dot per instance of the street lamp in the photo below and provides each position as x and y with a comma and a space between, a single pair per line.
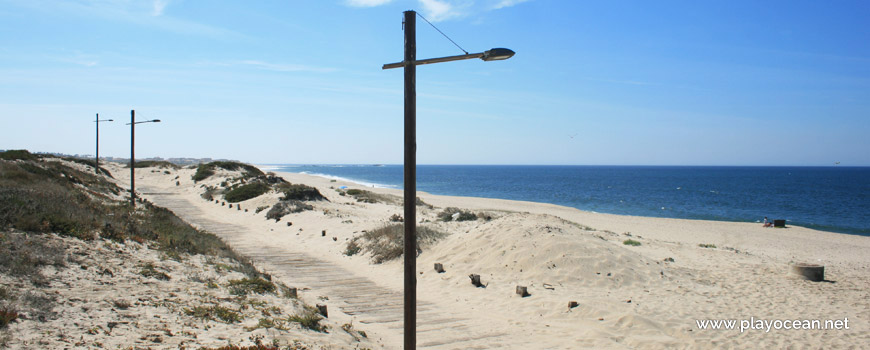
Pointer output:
132, 125
97, 158
410, 64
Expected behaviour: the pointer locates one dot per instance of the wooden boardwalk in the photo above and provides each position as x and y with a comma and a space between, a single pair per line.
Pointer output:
355, 295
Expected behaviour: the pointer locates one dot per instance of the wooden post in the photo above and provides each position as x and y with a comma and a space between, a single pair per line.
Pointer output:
321, 309
573, 304
323, 234
439, 267
522, 291
475, 280
292, 292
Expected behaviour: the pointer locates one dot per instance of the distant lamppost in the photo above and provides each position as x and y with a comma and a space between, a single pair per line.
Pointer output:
410, 63
132, 125
97, 158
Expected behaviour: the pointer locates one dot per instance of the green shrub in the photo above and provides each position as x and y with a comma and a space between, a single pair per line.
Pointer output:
285, 207
245, 192
705, 245
309, 319
371, 197
8, 314
149, 270
18, 154
214, 312
204, 171
48, 196
631, 242
352, 248
451, 213
90, 163
52, 197
24, 255
299, 192
246, 286
154, 164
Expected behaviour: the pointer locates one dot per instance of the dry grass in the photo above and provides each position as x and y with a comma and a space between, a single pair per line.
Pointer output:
387, 243
246, 286
309, 319
214, 313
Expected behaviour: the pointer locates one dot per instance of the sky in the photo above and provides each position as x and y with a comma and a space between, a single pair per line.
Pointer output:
300, 82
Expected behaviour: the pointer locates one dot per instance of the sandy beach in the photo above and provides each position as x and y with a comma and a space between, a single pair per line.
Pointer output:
652, 295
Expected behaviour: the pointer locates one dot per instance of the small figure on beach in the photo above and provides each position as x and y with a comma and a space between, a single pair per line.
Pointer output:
767, 223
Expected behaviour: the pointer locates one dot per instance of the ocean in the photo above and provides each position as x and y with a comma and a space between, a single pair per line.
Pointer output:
833, 199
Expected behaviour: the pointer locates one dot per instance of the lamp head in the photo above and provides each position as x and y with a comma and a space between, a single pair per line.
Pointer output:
111, 120
497, 54
156, 120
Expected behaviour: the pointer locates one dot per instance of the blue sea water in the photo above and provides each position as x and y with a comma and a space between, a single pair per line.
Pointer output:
825, 198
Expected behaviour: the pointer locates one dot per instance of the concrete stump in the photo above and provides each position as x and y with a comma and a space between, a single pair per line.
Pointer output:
573, 304
810, 272
522, 291
439, 267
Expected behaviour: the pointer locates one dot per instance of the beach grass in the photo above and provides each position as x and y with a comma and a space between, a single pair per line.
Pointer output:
631, 242
387, 242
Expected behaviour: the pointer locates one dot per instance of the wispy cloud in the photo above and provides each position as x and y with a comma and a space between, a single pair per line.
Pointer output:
285, 67
507, 3
79, 59
151, 14
366, 3
159, 6
440, 10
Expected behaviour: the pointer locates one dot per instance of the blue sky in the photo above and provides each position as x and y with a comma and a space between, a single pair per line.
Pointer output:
599, 82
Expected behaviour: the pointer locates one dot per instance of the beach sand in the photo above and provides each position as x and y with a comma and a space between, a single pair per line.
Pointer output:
646, 296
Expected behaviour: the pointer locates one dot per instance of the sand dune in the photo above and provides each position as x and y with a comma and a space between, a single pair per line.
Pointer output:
628, 296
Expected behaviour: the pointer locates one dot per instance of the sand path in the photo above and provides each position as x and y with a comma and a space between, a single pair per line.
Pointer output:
377, 307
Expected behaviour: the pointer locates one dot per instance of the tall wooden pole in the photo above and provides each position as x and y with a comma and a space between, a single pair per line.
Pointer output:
97, 158
410, 167
132, 158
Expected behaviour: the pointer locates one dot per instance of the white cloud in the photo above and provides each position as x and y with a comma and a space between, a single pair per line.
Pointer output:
159, 6
439, 10
285, 67
507, 3
366, 3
